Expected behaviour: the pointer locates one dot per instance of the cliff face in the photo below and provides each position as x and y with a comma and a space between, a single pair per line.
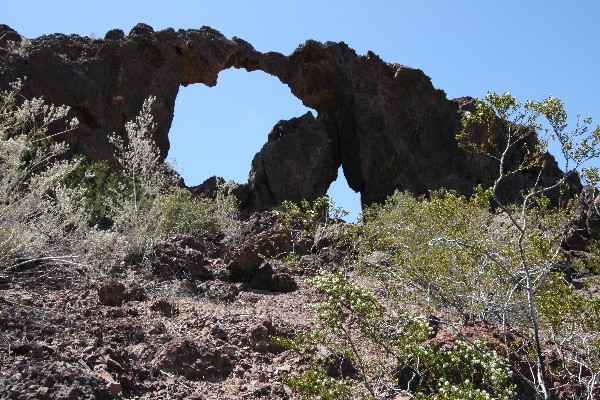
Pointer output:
384, 123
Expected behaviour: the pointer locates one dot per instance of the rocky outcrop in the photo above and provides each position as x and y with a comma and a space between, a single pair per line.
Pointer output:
384, 123
584, 226
300, 148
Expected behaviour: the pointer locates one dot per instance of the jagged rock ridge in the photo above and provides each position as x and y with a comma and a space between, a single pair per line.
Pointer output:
384, 123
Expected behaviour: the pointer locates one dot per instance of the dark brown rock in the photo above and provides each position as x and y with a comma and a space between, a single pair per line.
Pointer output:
301, 148
246, 259
167, 308
220, 291
135, 293
385, 123
585, 224
116, 294
179, 257
112, 294
210, 188
194, 360
273, 275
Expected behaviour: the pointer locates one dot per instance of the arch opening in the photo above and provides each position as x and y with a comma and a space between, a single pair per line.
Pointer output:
216, 131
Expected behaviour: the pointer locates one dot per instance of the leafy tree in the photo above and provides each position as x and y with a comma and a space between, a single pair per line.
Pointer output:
536, 258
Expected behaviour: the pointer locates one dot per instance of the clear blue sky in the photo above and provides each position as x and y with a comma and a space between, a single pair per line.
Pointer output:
530, 48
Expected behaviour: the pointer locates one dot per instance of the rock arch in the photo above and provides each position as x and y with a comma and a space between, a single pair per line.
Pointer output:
384, 123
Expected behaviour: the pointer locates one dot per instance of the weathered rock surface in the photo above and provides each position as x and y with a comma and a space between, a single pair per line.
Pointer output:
274, 276
300, 148
585, 224
245, 261
385, 123
179, 257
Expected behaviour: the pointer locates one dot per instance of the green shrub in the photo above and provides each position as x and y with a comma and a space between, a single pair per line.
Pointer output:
379, 342
447, 252
99, 183
177, 212
146, 205
303, 221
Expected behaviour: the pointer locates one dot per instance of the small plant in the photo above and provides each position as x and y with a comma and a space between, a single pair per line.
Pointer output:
21, 47
448, 252
177, 212
99, 183
144, 177
303, 221
145, 204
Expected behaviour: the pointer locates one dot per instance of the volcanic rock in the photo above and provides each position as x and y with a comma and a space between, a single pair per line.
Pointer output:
179, 257
585, 224
112, 294
273, 276
385, 123
248, 257
300, 148
195, 360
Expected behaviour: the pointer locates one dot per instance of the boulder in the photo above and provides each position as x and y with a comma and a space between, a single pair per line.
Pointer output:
274, 276
245, 261
180, 257
301, 148
196, 360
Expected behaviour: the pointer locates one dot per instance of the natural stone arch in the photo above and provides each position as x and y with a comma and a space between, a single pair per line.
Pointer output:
297, 150
390, 127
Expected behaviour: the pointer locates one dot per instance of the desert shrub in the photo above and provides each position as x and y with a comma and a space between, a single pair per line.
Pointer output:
316, 384
303, 221
39, 216
98, 182
178, 212
572, 322
386, 351
52, 206
306, 216
143, 178
146, 205
537, 254
454, 253
447, 252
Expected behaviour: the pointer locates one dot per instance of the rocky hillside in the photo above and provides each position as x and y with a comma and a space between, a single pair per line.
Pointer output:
471, 275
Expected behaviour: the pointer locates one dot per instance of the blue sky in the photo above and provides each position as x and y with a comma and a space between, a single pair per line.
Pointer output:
531, 48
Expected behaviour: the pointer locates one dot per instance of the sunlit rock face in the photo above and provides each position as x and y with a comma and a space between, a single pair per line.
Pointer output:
384, 123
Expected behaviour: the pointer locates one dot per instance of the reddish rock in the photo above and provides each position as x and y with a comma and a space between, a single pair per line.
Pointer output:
116, 294
195, 360
210, 188
112, 294
220, 291
274, 276
246, 259
167, 308
113, 387
180, 258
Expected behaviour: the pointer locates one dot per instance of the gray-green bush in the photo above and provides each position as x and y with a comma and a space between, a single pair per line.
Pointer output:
39, 217
72, 209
